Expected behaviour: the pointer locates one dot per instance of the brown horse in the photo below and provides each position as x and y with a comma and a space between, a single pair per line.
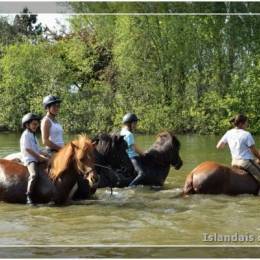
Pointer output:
75, 160
214, 178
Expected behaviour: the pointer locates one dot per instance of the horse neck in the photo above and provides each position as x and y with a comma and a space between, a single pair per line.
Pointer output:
99, 157
63, 186
157, 157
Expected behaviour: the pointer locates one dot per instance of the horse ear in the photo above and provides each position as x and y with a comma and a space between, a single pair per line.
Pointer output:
94, 143
117, 139
122, 142
62, 159
73, 145
113, 140
121, 139
95, 140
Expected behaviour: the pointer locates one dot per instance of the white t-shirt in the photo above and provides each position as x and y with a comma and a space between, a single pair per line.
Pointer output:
28, 140
239, 142
56, 132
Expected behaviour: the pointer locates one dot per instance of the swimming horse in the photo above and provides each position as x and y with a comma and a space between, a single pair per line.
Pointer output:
115, 168
158, 159
113, 165
213, 178
73, 162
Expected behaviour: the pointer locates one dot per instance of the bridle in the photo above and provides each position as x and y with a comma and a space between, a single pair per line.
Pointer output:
108, 168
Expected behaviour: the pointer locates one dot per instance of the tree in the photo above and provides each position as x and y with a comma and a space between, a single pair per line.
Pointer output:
26, 24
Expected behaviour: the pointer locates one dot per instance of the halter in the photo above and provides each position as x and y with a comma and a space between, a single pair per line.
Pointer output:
85, 174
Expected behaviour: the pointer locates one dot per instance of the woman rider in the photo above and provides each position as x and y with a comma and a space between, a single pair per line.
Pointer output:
52, 132
242, 146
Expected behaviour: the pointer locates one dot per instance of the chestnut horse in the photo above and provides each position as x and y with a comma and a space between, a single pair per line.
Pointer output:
75, 160
213, 178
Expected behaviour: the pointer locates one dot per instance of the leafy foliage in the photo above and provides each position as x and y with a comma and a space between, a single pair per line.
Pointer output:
186, 73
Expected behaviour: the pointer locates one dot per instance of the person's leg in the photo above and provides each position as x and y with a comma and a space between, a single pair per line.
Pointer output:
254, 169
33, 172
140, 172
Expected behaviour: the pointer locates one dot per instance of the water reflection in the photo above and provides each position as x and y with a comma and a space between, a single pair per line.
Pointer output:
136, 216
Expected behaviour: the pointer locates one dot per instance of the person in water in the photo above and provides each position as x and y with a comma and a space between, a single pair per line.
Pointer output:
52, 132
242, 146
129, 125
31, 152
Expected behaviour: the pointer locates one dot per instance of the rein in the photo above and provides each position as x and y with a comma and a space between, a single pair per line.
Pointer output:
108, 168
102, 166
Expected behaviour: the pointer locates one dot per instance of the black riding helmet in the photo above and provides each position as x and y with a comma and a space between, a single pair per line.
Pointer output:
29, 117
129, 118
50, 100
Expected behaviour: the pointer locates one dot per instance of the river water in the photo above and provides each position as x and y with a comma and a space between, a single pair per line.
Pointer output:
136, 222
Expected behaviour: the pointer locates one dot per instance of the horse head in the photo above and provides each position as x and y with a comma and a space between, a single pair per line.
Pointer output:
169, 147
76, 157
112, 149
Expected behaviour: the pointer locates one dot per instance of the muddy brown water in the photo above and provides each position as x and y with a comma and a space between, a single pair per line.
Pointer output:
137, 222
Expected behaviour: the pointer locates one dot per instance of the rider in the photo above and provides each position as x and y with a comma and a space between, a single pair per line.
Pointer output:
129, 125
52, 132
30, 150
242, 146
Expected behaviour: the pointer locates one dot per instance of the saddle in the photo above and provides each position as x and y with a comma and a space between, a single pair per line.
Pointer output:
17, 160
239, 169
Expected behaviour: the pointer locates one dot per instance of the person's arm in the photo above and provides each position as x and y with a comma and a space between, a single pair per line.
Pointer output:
220, 145
131, 143
250, 142
38, 156
44, 153
222, 142
46, 134
138, 149
255, 151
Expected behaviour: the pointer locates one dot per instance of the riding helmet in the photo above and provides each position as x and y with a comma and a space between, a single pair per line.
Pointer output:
27, 118
129, 118
50, 100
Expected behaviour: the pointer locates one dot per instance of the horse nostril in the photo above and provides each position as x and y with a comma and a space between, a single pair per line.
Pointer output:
95, 178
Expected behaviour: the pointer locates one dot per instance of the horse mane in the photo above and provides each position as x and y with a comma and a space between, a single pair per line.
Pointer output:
166, 139
65, 156
104, 143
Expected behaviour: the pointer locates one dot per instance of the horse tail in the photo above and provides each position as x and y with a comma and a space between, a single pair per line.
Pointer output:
188, 186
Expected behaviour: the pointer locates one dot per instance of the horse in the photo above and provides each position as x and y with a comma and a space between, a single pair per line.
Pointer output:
113, 165
110, 152
73, 162
213, 178
158, 159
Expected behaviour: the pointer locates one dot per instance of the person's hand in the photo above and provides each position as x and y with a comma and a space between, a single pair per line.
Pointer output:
43, 158
44, 153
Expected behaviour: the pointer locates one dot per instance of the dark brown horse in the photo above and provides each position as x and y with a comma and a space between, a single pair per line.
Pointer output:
116, 170
156, 161
113, 165
214, 178
72, 162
